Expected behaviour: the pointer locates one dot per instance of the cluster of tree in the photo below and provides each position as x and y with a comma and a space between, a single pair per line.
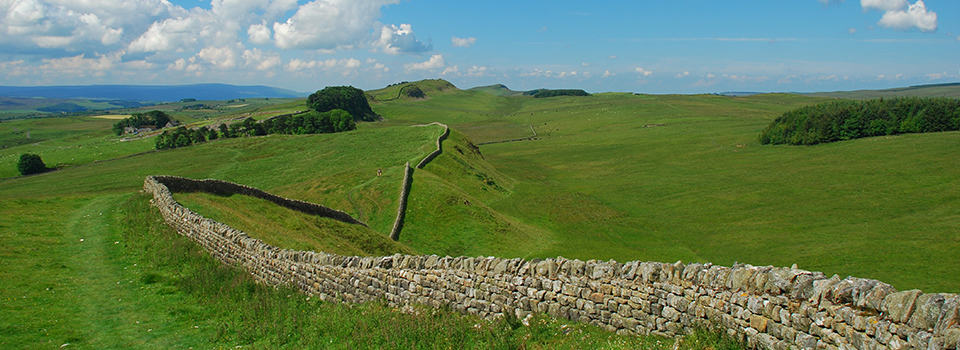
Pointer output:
845, 120
157, 119
31, 164
347, 98
312, 122
541, 93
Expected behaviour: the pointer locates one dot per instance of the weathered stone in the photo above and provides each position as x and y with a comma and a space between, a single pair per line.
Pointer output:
927, 312
806, 341
899, 306
759, 323
873, 299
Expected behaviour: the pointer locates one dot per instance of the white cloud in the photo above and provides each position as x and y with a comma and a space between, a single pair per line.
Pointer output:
683, 74
476, 71
77, 25
345, 65
451, 70
80, 65
220, 57
260, 60
259, 33
936, 76
435, 62
607, 74
400, 39
883, 5
852, 30
916, 15
328, 24
463, 42
643, 71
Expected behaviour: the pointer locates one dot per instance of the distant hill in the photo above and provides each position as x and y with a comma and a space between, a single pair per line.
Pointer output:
497, 90
932, 90
411, 90
154, 93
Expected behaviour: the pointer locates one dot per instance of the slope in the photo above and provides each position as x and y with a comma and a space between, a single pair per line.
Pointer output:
669, 178
932, 90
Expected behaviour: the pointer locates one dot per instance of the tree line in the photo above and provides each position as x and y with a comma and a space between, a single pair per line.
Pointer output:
156, 118
847, 119
542, 93
312, 122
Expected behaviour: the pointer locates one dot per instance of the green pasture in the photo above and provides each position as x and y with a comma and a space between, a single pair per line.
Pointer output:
667, 178
86, 261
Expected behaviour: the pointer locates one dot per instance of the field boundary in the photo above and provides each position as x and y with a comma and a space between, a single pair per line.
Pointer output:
528, 138
768, 307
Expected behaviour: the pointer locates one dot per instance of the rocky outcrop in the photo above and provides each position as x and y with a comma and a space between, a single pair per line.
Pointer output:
768, 307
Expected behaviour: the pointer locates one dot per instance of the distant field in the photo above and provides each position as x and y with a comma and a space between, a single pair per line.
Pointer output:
112, 116
939, 90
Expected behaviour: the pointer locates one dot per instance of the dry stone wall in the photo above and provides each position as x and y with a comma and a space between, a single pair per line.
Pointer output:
435, 153
402, 202
768, 307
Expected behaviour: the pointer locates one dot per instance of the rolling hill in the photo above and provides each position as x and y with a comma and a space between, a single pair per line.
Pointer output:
932, 90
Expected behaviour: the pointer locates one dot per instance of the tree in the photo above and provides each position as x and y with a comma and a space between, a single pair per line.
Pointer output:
224, 130
347, 98
31, 164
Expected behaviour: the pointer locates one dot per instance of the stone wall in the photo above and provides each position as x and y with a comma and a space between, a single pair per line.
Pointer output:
180, 184
435, 153
402, 202
768, 307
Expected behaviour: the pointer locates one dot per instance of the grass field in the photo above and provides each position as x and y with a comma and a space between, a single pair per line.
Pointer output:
669, 178
621, 176
87, 262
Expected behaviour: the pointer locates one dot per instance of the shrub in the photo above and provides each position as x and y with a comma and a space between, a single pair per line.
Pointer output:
846, 120
30, 164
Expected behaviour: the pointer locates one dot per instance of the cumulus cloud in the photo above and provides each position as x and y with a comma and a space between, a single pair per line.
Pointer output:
79, 65
643, 72
400, 39
901, 14
883, 5
260, 60
345, 65
607, 74
916, 15
220, 57
683, 74
259, 33
451, 70
77, 25
328, 24
434, 62
463, 42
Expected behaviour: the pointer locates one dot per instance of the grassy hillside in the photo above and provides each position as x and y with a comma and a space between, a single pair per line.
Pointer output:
497, 90
671, 178
429, 87
290, 229
935, 90
86, 261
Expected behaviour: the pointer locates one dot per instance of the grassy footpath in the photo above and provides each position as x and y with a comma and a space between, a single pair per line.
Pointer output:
104, 271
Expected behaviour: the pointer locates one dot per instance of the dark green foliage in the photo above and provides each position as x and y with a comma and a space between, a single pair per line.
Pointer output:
312, 122
157, 119
845, 120
347, 98
414, 91
31, 164
541, 93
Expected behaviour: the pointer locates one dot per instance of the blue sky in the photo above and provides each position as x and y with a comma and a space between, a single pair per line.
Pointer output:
640, 46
